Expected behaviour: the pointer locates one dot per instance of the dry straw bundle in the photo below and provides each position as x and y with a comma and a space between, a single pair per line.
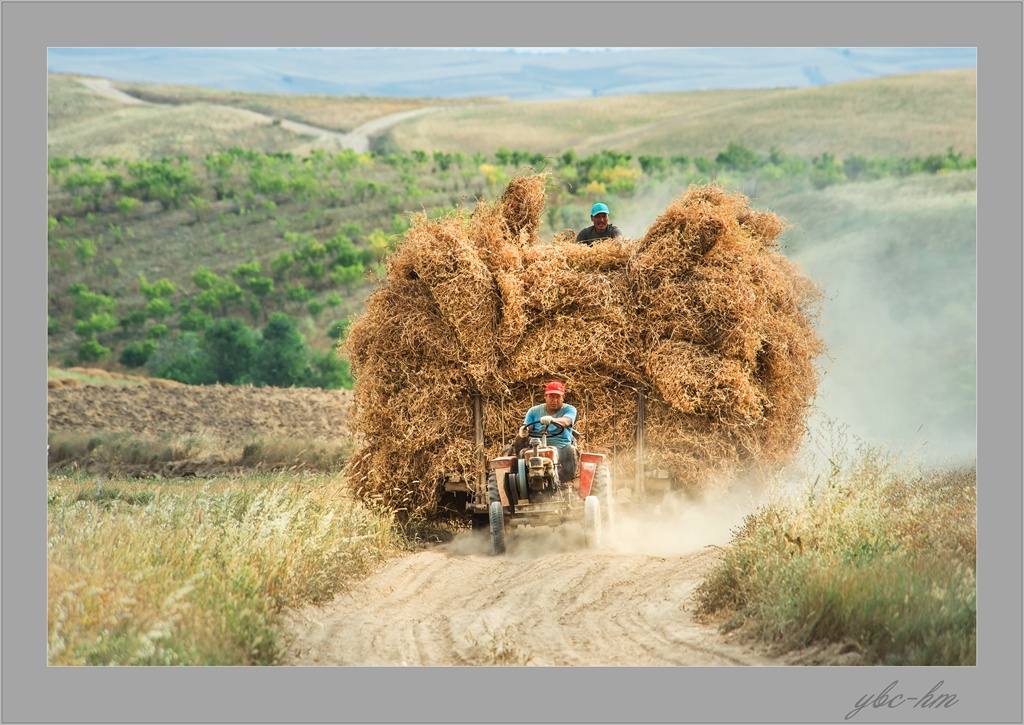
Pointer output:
702, 313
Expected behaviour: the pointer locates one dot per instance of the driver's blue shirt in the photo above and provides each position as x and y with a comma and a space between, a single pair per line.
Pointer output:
534, 414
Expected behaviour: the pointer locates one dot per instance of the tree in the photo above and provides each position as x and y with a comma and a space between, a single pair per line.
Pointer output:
88, 303
95, 324
195, 321
231, 349
737, 157
330, 373
181, 359
650, 164
283, 358
137, 353
158, 308
92, 351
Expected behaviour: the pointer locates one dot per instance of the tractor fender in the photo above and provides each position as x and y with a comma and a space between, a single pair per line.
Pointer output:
588, 467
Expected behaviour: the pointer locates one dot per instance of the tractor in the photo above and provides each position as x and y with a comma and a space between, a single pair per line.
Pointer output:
525, 490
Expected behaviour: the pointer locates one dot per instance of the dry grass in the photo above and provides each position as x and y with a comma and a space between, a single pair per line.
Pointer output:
703, 313
875, 553
144, 132
192, 573
324, 111
70, 103
903, 115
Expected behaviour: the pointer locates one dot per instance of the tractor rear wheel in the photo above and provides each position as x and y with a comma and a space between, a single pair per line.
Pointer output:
592, 522
497, 516
602, 489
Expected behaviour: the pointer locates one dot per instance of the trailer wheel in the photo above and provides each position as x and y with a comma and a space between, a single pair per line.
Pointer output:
497, 516
592, 522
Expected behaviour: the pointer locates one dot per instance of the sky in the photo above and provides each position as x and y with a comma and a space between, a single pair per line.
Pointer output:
518, 73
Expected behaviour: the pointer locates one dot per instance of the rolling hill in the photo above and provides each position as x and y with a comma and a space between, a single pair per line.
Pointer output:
913, 114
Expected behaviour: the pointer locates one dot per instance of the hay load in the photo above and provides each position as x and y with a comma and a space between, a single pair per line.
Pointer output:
702, 314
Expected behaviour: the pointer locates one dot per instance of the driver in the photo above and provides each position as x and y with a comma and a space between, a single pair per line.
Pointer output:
552, 410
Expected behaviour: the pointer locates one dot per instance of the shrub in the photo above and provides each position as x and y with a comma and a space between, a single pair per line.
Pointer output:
95, 324
161, 288
92, 351
158, 308
737, 157
880, 554
283, 356
136, 354
158, 332
329, 372
231, 349
195, 321
181, 359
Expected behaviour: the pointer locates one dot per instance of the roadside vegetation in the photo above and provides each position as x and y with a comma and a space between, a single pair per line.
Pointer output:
875, 556
194, 572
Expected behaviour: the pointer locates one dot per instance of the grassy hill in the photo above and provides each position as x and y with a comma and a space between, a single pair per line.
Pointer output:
914, 114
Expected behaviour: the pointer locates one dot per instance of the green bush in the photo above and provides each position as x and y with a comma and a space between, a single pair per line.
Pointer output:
231, 349
182, 359
195, 321
328, 372
92, 351
283, 357
137, 353
158, 308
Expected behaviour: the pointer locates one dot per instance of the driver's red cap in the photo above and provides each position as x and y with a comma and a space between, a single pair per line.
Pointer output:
555, 387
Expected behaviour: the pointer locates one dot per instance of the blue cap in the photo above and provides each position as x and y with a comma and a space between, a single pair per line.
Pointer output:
598, 208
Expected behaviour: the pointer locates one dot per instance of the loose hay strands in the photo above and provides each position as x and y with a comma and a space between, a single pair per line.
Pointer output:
522, 207
702, 312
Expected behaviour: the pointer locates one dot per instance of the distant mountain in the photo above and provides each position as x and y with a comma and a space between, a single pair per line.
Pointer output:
521, 74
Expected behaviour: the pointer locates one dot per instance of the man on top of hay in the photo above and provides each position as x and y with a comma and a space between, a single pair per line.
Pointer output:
600, 229
552, 410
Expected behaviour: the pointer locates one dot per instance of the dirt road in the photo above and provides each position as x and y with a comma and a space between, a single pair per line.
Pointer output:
547, 602
358, 139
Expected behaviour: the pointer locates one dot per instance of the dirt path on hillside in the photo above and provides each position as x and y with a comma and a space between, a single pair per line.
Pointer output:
548, 602
102, 86
358, 139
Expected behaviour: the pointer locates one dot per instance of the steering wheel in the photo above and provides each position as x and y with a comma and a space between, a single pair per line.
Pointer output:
536, 428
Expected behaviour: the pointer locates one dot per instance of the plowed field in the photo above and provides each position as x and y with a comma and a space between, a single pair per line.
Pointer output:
227, 418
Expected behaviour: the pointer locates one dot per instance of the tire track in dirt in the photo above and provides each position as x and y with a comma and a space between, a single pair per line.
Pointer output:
548, 602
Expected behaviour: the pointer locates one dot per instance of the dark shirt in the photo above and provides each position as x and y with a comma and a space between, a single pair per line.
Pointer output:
589, 235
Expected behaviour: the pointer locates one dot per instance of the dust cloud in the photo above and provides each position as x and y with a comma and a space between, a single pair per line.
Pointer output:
897, 261
677, 525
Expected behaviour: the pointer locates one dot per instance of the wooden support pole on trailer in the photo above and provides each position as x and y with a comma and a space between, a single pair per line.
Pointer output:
478, 422
641, 473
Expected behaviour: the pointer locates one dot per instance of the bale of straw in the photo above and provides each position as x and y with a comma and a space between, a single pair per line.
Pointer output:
702, 313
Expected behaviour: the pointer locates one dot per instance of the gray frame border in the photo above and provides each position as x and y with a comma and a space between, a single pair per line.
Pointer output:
32, 692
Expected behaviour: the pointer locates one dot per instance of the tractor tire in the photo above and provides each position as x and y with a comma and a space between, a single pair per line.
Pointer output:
482, 521
492, 488
592, 522
602, 488
497, 517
